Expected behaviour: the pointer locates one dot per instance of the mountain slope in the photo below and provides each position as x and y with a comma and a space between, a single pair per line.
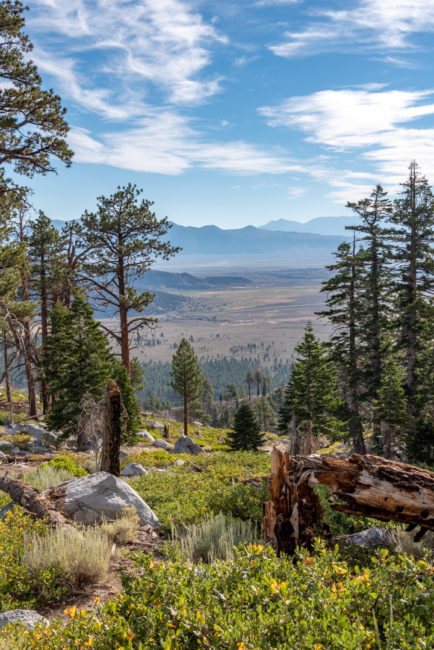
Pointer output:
319, 225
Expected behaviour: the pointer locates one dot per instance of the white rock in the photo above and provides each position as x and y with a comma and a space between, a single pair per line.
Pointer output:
123, 454
100, 496
185, 445
179, 462
145, 435
375, 536
134, 469
28, 617
161, 444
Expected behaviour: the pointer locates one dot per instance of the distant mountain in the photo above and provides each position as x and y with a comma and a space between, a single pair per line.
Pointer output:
210, 246
249, 246
319, 225
161, 280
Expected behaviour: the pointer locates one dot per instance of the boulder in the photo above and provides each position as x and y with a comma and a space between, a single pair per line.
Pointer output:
7, 448
28, 617
41, 449
185, 445
123, 454
49, 439
145, 435
6, 422
134, 469
7, 508
161, 444
100, 496
372, 537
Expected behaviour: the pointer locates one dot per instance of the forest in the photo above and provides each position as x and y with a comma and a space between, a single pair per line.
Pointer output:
207, 501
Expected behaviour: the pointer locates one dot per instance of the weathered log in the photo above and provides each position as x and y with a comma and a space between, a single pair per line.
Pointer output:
33, 501
113, 411
370, 486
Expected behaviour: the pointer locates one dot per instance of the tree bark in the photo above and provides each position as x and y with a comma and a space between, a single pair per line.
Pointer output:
113, 410
7, 376
368, 486
185, 413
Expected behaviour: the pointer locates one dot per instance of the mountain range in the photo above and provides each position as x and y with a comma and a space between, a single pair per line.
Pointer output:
211, 246
319, 225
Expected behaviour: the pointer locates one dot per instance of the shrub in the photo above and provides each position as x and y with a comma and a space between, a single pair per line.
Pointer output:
46, 476
215, 537
64, 462
21, 440
124, 529
80, 557
257, 601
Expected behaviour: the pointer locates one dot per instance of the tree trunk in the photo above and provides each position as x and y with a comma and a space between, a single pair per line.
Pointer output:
7, 377
368, 486
30, 373
185, 414
112, 429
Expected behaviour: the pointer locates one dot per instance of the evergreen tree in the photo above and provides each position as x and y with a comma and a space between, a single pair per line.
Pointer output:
312, 397
391, 404
32, 124
344, 306
374, 300
187, 376
123, 238
246, 434
413, 239
120, 376
136, 375
264, 413
77, 363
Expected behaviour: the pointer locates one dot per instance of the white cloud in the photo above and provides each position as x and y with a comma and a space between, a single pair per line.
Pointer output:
373, 25
165, 143
380, 125
133, 45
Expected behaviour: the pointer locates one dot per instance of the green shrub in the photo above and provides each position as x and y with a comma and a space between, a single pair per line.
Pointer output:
257, 601
65, 462
215, 537
21, 440
124, 529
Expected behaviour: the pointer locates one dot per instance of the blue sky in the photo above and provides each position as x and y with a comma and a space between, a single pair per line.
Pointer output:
236, 112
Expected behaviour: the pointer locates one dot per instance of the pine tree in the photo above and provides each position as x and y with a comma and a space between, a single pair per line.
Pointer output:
264, 413
312, 397
32, 124
344, 297
413, 239
123, 238
77, 363
120, 376
391, 405
187, 376
246, 434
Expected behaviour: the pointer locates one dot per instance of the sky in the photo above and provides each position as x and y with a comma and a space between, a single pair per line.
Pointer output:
236, 112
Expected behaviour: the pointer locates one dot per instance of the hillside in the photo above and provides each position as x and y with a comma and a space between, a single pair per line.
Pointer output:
319, 225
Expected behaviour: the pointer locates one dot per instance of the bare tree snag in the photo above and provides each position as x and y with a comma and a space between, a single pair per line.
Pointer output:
111, 444
370, 486
32, 501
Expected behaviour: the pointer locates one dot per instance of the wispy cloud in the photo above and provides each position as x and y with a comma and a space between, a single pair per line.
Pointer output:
371, 25
166, 143
149, 44
379, 125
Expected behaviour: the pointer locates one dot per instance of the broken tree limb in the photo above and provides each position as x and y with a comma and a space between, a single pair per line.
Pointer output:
370, 486
33, 501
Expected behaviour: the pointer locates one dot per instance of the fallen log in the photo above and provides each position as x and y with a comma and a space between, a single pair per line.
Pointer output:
33, 501
370, 486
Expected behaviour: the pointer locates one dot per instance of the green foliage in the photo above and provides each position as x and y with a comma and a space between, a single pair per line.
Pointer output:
312, 395
21, 440
181, 496
65, 462
258, 601
246, 435
32, 124
46, 476
77, 363
120, 375
18, 587
186, 375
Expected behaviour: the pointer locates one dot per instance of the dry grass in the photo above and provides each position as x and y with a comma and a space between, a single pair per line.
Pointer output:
215, 537
46, 476
80, 556
124, 529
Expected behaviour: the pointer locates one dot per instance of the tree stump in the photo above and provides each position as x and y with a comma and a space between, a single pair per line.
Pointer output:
111, 444
369, 486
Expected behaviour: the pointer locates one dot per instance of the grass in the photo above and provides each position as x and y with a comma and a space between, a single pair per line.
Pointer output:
78, 557
215, 537
46, 476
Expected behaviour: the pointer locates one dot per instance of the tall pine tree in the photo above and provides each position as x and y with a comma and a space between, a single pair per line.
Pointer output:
187, 376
